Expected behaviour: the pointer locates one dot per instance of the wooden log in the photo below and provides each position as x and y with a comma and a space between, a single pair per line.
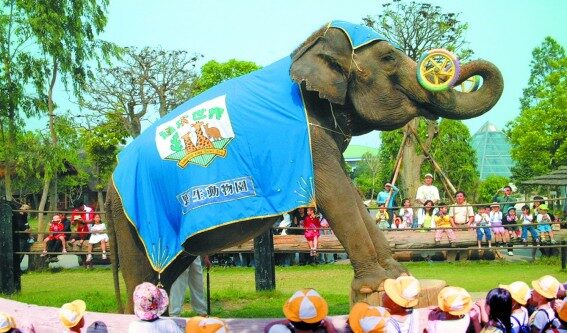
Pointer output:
427, 297
402, 240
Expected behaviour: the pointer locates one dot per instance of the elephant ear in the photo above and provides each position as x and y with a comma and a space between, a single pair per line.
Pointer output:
323, 62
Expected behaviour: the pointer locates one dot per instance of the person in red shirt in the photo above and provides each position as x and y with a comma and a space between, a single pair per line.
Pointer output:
82, 232
55, 230
312, 225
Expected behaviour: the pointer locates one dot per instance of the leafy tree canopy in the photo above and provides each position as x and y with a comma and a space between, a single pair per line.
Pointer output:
537, 135
213, 73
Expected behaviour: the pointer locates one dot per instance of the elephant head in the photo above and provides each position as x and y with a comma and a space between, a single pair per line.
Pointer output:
378, 83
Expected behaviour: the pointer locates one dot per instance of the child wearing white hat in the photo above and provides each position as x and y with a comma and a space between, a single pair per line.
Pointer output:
521, 293
365, 318
452, 313
544, 293
400, 297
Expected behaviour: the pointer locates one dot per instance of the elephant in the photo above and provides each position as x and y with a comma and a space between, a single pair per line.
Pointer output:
348, 90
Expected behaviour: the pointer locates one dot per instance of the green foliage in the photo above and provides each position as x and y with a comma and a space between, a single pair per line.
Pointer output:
418, 27
101, 146
452, 150
213, 73
543, 63
489, 187
366, 174
388, 150
41, 42
537, 135
450, 147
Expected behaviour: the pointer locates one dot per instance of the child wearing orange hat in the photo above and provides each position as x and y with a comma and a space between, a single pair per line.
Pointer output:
306, 312
365, 318
200, 324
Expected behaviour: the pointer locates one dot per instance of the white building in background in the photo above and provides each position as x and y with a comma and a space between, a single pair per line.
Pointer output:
492, 151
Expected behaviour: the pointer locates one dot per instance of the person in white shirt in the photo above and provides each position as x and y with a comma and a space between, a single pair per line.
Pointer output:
427, 192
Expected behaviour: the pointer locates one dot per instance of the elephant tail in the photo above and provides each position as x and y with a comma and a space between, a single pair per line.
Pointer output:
114, 247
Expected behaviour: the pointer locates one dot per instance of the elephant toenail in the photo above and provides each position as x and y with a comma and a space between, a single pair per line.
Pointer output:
366, 290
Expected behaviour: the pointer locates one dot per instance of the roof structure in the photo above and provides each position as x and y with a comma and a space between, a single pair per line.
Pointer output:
355, 152
492, 151
555, 178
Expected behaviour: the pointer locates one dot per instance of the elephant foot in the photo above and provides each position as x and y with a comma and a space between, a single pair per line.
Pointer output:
368, 288
394, 269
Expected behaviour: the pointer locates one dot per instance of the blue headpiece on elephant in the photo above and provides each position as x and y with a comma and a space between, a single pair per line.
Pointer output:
235, 170
359, 35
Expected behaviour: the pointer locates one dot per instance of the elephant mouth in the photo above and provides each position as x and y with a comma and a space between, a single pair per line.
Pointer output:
427, 112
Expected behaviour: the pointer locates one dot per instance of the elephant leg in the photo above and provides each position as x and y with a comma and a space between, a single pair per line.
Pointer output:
382, 246
339, 201
134, 264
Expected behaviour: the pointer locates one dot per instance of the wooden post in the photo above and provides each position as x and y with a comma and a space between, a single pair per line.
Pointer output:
265, 263
8, 278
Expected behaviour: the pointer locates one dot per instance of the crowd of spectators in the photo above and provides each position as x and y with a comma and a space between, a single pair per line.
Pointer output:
499, 221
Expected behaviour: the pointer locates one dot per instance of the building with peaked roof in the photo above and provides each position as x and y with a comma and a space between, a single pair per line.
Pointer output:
492, 151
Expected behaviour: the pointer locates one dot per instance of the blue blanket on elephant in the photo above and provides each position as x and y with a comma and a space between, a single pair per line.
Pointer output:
238, 151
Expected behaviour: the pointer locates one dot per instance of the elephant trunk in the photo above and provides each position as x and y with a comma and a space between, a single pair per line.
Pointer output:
472, 104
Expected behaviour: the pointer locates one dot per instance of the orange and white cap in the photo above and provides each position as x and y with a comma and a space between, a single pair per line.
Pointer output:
205, 325
365, 318
307, 306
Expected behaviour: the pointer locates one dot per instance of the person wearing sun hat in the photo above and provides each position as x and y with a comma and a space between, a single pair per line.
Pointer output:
521, 293
71, 315
400, 297
7, 323
150, 302
452, 313
365, 318
201, 324
305, 311
544, 293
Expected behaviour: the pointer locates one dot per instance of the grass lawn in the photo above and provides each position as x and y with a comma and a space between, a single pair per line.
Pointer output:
233, 292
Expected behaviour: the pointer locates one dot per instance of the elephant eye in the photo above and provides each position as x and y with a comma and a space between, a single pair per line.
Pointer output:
388, 57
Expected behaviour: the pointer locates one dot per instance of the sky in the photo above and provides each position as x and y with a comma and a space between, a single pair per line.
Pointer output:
504, 32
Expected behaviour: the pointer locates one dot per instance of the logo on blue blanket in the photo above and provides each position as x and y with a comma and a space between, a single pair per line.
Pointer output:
197, 135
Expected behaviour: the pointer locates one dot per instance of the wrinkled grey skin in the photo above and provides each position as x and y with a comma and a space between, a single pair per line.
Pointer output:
374, 89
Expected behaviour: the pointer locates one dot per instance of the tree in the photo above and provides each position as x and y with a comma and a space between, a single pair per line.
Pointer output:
489, 187
62, 35
141, 80
18, 68
416, 28
537, 135
542, 64
452, 150
366, 174
213, 73
101, 146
